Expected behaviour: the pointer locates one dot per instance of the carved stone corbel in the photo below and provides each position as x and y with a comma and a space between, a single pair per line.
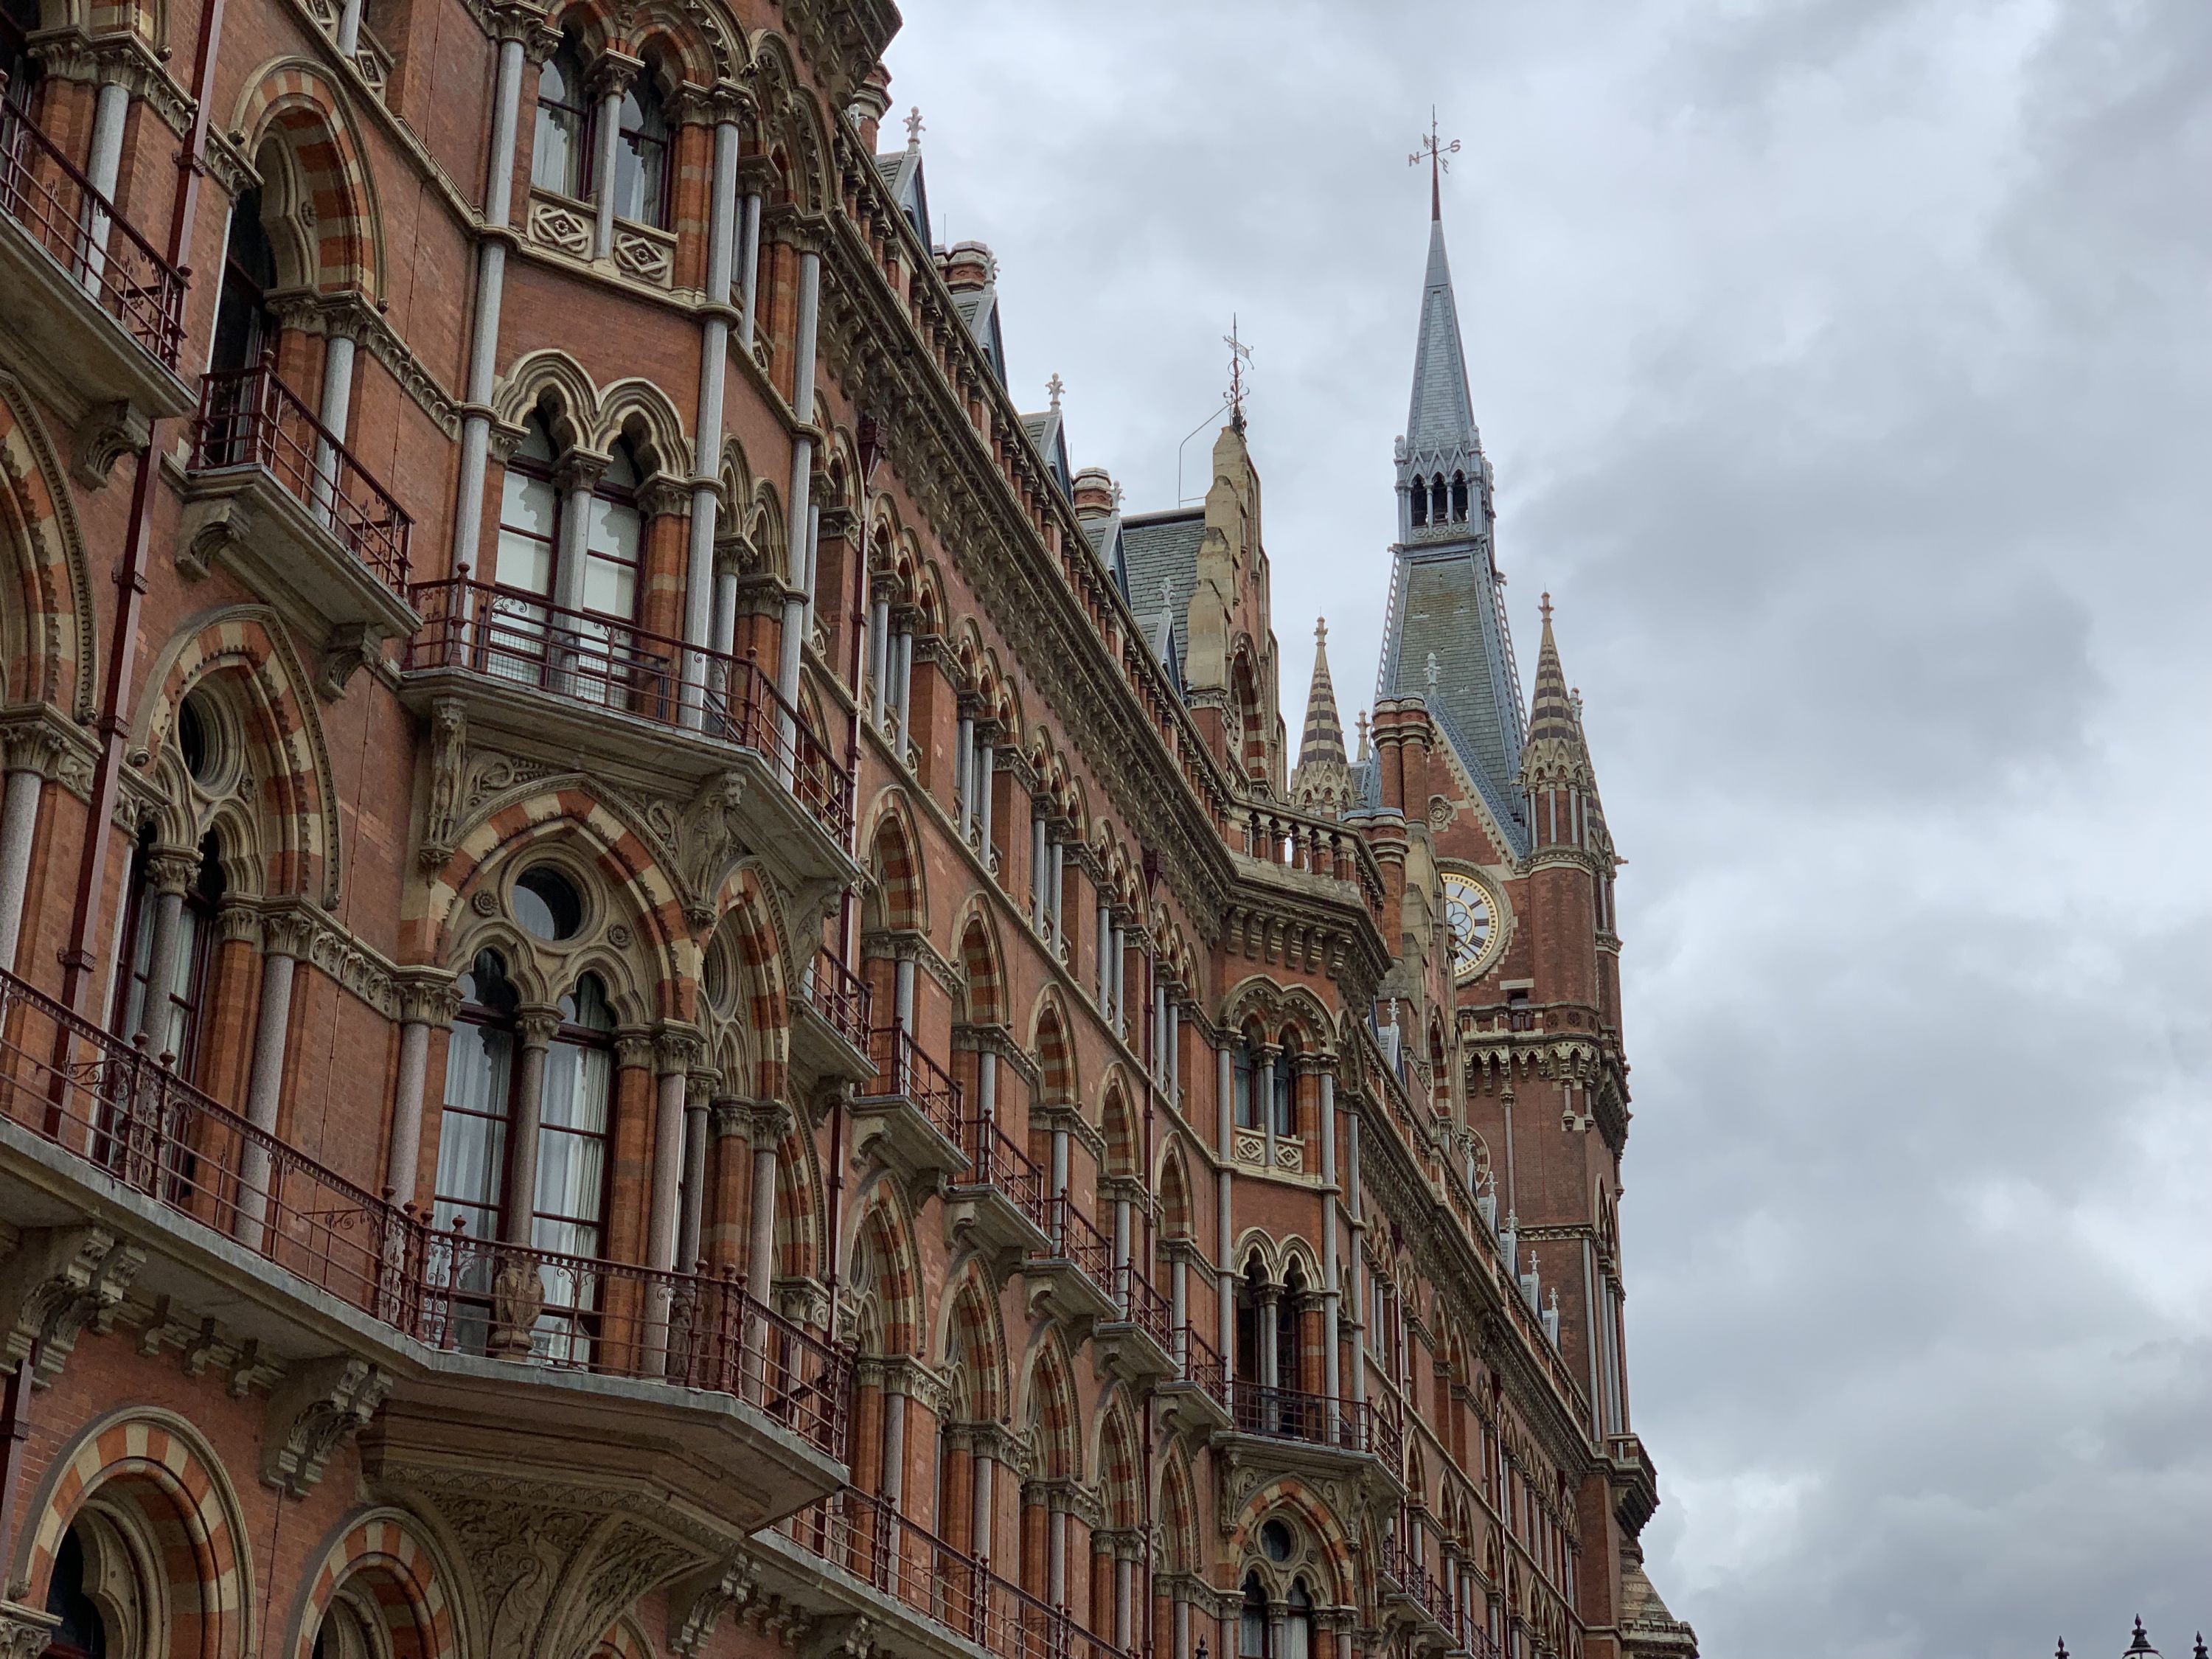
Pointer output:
209, 529
104, 435
317, 1407
695, 1605
350, 646
60, 1280
25, 1632
449, 735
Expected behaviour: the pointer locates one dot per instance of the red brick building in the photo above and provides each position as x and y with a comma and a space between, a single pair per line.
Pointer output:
667, 994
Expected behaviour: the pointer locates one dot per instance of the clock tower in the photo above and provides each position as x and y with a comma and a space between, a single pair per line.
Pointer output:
1508, 864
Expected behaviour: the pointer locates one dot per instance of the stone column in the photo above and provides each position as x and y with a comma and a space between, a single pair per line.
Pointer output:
963, 749
103, 165
28, 761
800, 512
339, 346
534, 1031
893, 1484
1105, 942
769, 1121
1225, 1084
983, 769
748, 267
1056, 1568
689, 1223
674, 1054
491, 277
169, 873
985, 1457
1331, 1266
1040, 867
1264, 1083
427, 996
879, 656
1056, 892
1358, 1226
699, 580
903, 974
284, 941
610, 77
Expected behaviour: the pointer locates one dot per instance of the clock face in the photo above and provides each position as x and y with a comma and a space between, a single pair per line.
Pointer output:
1474, 923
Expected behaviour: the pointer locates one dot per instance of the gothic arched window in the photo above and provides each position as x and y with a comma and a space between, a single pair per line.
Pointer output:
1458, 498
1298, 1627
1286, 1087
1419, 502
186, 942
82, 1633
1252, 1621
1439, 504
479, 1105
556, 156
641, 157
245, 328
1244, 1069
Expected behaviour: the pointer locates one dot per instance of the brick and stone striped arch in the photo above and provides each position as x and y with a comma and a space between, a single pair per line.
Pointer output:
1290, 1497
1177, 1218
898, 895
623, 1640
1177, 1508
983, 978
46, 628
386, 1571
566, 811
972, 1346
799, 1220
1118, 1121
1058, 1082
749, 934
1121, 1473
885, 1275
1052, 1412
291, 103
149, 1475
244, 655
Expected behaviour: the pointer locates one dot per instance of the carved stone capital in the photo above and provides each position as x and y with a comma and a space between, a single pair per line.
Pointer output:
317, 1406
536, 1026
172, 870
25, 1632
676, 1047
428, 996
286, 934
613, 74
663, 496
60, 1280
31, 746
633, 1051
579, 468
767, 1122
103, 435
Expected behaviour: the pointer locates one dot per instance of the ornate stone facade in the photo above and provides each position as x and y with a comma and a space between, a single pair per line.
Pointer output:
666, 993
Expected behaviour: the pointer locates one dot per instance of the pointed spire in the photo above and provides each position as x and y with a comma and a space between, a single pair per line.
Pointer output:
1440, 422
1555, 755
1323, 779
1324, 734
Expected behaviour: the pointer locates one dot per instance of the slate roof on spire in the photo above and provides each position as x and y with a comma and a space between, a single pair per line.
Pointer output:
1556, 752
1324, 733
1441, 420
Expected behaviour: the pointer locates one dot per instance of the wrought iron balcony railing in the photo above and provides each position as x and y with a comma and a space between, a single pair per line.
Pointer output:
129, 1120
994, 1161
603, 662
99, 250
1199, 1364
249, 418
1143, 1306
868, 1538
1352, 1425
904, 1070
840, 997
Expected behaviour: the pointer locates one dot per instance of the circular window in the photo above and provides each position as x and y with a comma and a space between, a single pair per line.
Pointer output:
196, 740
546, 904
1275, 1539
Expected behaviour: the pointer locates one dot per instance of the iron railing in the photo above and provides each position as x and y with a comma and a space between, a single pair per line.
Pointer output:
1075, 1237
511, 635
131, 1121
904, 1070
1145, 1306
81, 231
994, 1161
249, 418
1198, 1364
840, 997
1293, 1414
866, 1535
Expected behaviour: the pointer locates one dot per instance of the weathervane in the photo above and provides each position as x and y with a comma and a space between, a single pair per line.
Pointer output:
1239, 354
1439, 156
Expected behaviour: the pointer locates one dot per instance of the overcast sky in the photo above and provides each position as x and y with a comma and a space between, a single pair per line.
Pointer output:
1846, 368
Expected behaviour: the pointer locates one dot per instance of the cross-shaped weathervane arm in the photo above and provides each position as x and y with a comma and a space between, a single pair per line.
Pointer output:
1438, 156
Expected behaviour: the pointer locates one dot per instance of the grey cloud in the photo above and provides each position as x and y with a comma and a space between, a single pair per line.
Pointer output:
1849, 377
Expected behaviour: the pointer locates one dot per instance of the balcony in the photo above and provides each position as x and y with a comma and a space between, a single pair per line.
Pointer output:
998, 1202
88, 296
1137, 1339
271, 494
855, 1546
491, 1347
830, 1032
1415, 1599
559, 685
912, 1106
1072, 1278
1197, 1394
1312, 1432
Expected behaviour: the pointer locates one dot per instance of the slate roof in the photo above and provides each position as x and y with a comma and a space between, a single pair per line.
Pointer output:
1162, 547
1441, 418
1050, 434
901, 172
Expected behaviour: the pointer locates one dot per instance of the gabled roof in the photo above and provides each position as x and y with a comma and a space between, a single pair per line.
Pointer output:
901, 172
1162, 553
1050, 434
1103, 532
978, 308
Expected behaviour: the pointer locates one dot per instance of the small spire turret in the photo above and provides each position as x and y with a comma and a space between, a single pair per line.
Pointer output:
1323, 779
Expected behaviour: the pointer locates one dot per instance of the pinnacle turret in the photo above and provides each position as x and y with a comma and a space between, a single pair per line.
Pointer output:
1323, 779
1556, 774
